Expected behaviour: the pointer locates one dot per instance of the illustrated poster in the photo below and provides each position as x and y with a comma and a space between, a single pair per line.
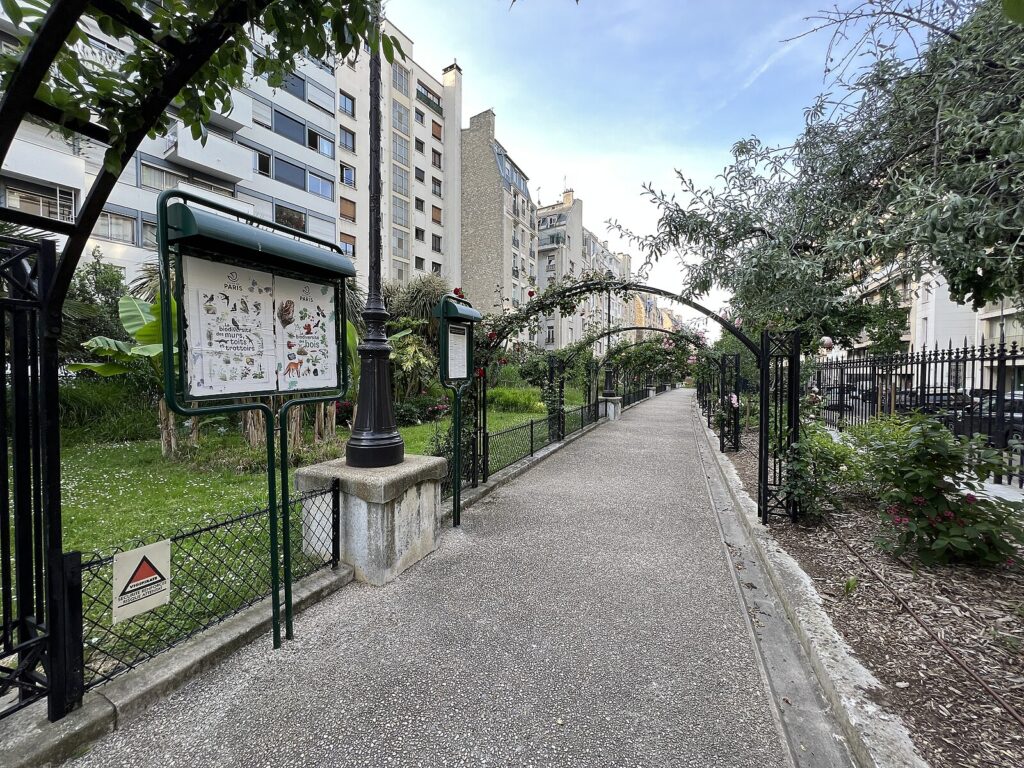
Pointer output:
230, 313
307, 351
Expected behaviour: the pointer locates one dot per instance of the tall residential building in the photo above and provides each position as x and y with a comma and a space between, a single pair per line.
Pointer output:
499, 222
297, 154
567, 249
560, 254
421, 165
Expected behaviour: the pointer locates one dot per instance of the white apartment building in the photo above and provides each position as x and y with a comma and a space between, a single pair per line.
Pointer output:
568, 249
297, 155
421, 165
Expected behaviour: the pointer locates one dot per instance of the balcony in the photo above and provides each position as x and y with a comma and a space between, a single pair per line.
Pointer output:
220, 157
240, 116
515, 242
433, 105
515, 271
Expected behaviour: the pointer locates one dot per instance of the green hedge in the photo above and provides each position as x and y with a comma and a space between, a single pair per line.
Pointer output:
107, 410
525, 400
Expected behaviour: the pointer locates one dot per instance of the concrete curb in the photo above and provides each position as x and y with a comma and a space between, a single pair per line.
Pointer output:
876, 737
29, 739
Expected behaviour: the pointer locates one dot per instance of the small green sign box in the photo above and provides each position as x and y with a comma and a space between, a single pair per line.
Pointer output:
457, 318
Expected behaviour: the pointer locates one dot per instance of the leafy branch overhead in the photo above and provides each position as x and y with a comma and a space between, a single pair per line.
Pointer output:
910, 165
269, 37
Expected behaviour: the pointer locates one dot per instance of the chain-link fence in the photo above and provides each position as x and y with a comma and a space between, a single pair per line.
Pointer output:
217, 569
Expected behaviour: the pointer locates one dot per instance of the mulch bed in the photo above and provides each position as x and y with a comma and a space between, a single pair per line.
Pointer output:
978, 612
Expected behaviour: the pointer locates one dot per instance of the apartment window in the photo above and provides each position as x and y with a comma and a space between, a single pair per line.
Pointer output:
289, 173
421, 234
289, 127
323, 228
428, 97
290, 217
435, 129
435, 243
148, 235
322, 144
321, 98
435, 214
550, 338
346, 104
399, 244
262, 114
347, 140
399, 211
420, 204
399, 180
157, 178
419, 116
419, 145
420, 264
114, 226
400, 270
400, 79
435, 186
551, 263
347, 209
420, 175
399, 117
294, 85
435, 158
400, 149
261, 208
347, 175
435, 267
322, 186
348, 244
211, 187
261, 162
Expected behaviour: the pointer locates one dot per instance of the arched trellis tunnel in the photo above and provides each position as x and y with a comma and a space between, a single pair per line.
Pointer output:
778, 361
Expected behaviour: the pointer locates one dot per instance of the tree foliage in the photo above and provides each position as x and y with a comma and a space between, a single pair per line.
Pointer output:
267, 37
911, 164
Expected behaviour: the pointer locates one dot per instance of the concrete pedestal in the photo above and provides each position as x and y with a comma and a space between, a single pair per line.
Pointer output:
610, 407
390, 516
652, 391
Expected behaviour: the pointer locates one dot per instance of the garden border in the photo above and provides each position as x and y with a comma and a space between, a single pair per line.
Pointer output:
876, 738
29, 739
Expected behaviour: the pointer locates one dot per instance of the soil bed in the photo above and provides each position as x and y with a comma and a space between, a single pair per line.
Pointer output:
978, 612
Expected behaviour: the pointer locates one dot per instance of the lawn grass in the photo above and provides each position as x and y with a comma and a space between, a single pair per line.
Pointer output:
116, 492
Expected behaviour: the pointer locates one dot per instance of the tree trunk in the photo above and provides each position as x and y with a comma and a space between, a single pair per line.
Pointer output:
193, 434
295, 428
253, 428
331, 420
168, 437
319, 419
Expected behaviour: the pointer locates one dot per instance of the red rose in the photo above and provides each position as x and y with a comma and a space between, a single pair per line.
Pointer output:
492, 336
503, 360
531, 294
479, 373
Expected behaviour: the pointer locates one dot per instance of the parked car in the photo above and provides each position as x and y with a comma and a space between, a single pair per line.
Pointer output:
983, 419
839, 398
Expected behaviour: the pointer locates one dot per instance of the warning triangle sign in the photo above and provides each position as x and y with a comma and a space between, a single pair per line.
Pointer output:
144, 575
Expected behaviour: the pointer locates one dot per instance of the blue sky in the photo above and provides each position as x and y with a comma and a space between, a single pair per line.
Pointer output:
610, 94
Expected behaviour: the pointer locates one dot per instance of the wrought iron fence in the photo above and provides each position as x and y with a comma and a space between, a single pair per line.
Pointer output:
971, 389
217, 569
634, 396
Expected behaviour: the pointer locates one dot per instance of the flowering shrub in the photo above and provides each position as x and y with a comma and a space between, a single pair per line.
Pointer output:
820, 470
929, 483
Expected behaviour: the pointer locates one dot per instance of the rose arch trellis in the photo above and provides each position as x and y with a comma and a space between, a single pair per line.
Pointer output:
777, 356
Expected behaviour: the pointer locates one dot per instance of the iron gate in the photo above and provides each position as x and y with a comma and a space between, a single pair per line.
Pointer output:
40, 586
779, 421
728, 399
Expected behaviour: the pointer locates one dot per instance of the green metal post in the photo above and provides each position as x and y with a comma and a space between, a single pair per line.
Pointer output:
457, 460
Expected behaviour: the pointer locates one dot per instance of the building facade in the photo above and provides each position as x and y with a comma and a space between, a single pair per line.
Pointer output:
296, 154
499, 222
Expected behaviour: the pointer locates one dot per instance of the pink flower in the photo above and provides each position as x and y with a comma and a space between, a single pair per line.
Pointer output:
919, 501
970, 498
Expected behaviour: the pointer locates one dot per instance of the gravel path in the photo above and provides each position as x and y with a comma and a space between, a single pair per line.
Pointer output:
584, 615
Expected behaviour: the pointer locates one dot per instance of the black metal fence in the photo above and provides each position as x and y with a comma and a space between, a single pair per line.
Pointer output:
633, 396
970, 389
217, 569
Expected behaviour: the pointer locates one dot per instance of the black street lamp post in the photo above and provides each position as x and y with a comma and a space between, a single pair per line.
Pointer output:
609, 384
375, 440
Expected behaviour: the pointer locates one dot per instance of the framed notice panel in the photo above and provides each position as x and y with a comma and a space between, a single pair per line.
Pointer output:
253, 332
458, 351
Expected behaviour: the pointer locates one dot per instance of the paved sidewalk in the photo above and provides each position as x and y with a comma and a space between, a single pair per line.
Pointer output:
584, 615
